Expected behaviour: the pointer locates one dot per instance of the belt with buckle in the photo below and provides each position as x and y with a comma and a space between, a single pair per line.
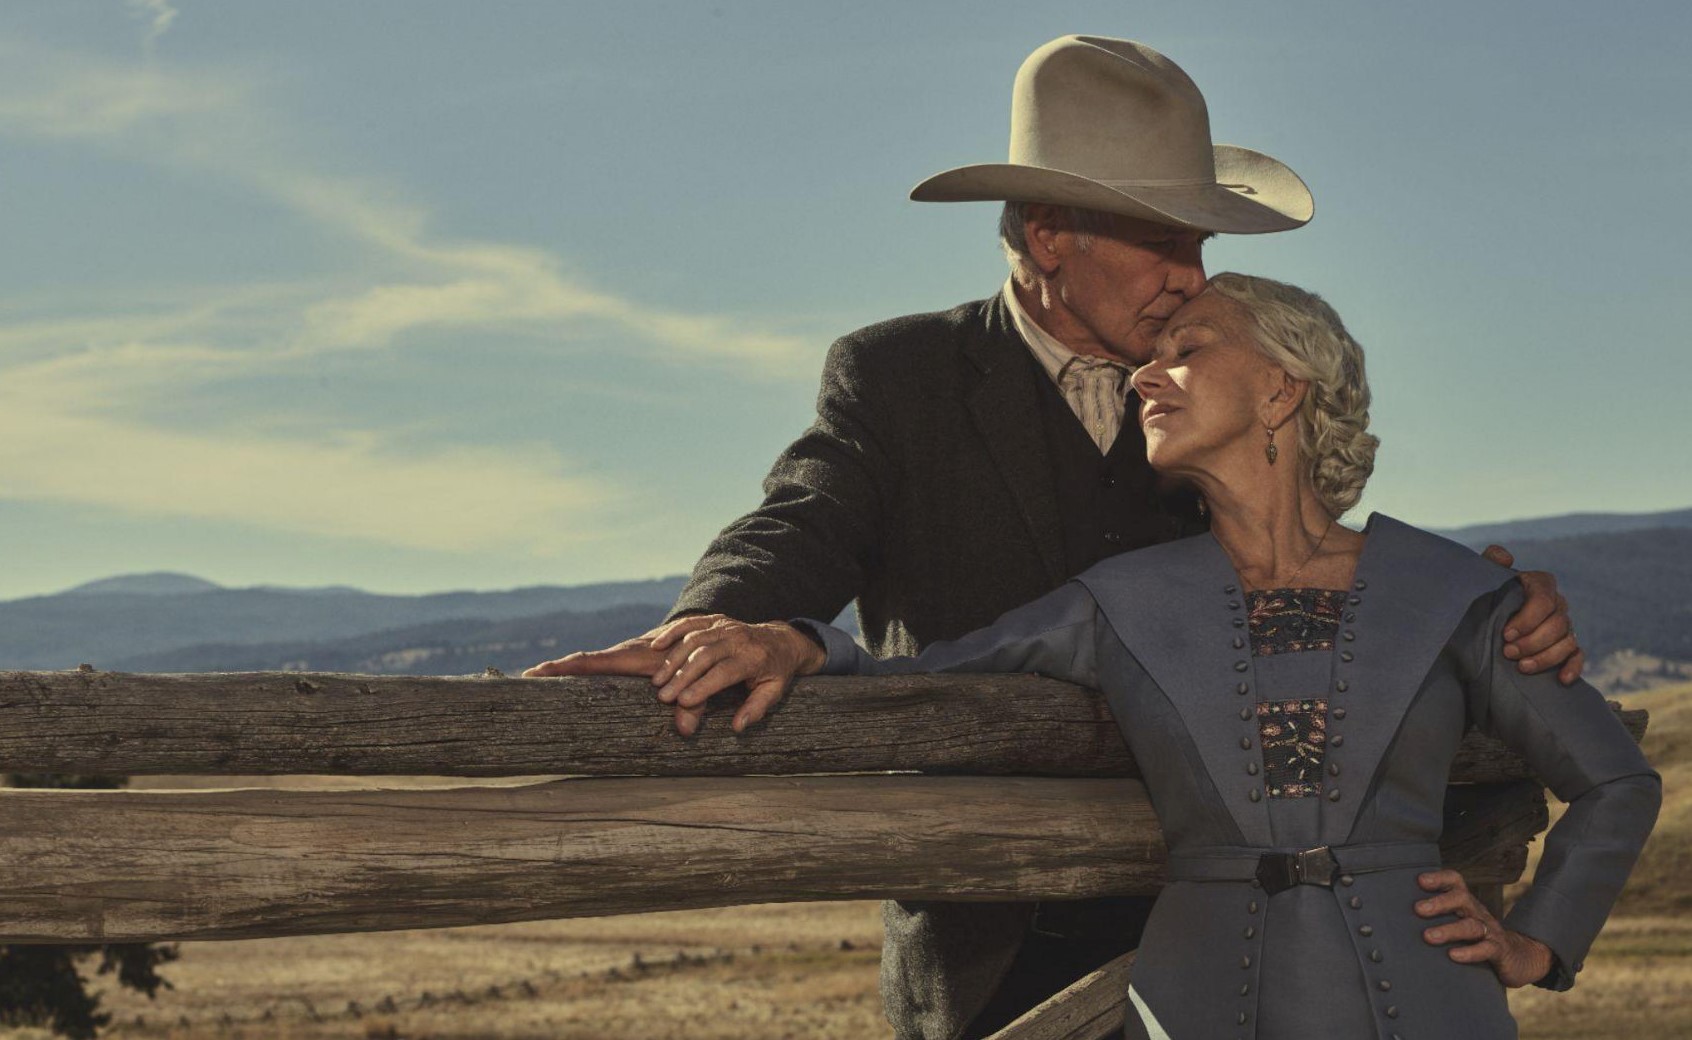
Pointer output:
1277, 870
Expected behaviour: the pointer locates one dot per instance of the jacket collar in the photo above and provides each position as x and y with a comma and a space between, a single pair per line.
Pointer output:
1180, 609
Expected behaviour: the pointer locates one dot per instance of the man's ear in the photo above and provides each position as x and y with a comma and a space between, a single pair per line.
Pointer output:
1041, 226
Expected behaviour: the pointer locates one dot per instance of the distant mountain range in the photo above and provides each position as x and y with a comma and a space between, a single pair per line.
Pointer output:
1568, 525
121, 621
1629, 577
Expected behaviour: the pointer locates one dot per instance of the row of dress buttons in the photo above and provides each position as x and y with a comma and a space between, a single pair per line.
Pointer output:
1336, 713
1243, 687
1375, 955
1249, 933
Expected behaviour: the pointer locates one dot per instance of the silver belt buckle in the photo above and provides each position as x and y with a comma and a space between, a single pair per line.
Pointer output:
1315, 866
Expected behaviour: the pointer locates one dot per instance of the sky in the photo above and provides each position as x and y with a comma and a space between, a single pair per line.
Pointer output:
416, 295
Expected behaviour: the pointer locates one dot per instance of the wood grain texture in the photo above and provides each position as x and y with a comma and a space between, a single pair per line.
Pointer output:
1093, 1007
296, 723
126, 866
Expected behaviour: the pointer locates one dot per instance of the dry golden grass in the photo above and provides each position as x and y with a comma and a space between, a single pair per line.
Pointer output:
797, 970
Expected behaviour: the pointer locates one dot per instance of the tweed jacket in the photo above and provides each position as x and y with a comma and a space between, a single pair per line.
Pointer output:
1159, 631
924, 491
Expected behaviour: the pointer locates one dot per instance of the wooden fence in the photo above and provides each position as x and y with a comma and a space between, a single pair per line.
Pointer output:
977, 787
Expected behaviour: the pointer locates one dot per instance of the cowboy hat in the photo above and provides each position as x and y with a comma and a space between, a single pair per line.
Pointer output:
1113, 125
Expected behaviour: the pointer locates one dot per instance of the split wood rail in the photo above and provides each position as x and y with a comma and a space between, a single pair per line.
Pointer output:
958, 787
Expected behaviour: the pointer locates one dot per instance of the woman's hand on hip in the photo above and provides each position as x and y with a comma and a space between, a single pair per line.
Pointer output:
1478, 936
704, 656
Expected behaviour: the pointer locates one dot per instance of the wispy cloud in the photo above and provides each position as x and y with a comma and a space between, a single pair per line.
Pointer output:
76, 388
158, 14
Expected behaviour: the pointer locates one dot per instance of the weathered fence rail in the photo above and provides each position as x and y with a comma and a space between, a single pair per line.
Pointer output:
124, 865
360, 725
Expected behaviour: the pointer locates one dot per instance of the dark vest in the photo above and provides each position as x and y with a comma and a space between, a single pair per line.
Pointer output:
1108, 503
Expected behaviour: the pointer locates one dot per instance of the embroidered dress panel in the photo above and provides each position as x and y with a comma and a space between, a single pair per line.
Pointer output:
1290, 621
1293, 731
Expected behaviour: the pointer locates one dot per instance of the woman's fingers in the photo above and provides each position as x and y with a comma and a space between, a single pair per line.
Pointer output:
1453, 902
1488, 949
1468, 930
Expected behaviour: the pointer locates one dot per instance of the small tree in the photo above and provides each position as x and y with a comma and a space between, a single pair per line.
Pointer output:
41, 986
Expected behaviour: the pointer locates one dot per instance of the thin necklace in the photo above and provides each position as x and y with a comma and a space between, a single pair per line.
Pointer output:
1294, 575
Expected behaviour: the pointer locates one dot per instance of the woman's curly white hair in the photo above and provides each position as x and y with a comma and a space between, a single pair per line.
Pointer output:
1298, 331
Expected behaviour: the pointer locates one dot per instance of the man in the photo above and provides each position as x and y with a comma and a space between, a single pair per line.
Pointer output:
965, 462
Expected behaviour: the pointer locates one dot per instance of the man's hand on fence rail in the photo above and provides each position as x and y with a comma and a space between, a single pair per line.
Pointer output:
706, 654
633, 656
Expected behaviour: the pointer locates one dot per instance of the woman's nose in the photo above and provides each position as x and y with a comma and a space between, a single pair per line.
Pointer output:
1148, 376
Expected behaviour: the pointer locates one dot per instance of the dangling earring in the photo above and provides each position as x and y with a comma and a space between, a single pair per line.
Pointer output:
1203, 510
1271, 452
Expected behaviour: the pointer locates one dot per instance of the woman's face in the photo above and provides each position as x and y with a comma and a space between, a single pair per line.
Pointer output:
1206, 390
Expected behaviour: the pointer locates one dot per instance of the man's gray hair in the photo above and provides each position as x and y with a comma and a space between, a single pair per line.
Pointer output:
1013, 235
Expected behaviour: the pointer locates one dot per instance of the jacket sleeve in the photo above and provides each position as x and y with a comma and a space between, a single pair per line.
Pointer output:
808, 549
1575, 744
1055, 635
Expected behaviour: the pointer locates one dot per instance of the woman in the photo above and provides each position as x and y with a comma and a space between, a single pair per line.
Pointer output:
1294, 692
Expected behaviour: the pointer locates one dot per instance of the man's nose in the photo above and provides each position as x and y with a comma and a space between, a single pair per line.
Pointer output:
1186, 270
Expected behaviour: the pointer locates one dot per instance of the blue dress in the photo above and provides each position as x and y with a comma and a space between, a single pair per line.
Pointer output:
1323, 724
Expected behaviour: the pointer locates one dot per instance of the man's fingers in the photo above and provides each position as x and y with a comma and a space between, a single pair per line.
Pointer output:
1572, 668
1541, 590
688, 655
1559, 652
1499, 555
688, 720
1555, 628
664, 635
634, 660
714, 680
763, 697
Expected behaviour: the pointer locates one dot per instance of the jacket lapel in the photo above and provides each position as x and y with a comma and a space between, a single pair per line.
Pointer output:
1005, 406
1179, 610
1411, 590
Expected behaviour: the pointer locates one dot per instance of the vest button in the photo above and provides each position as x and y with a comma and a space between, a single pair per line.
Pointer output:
1107, 480
1113, 537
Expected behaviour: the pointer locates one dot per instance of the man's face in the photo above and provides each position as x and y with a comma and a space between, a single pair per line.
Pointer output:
1121, 290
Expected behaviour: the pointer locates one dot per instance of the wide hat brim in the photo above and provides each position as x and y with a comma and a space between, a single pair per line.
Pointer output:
1253, 193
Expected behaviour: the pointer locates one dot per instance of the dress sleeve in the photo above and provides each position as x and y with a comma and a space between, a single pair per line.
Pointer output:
1055, 635
1575, 744
810, 547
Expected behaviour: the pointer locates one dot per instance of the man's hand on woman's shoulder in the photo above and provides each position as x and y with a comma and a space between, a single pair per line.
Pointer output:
1540, 636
